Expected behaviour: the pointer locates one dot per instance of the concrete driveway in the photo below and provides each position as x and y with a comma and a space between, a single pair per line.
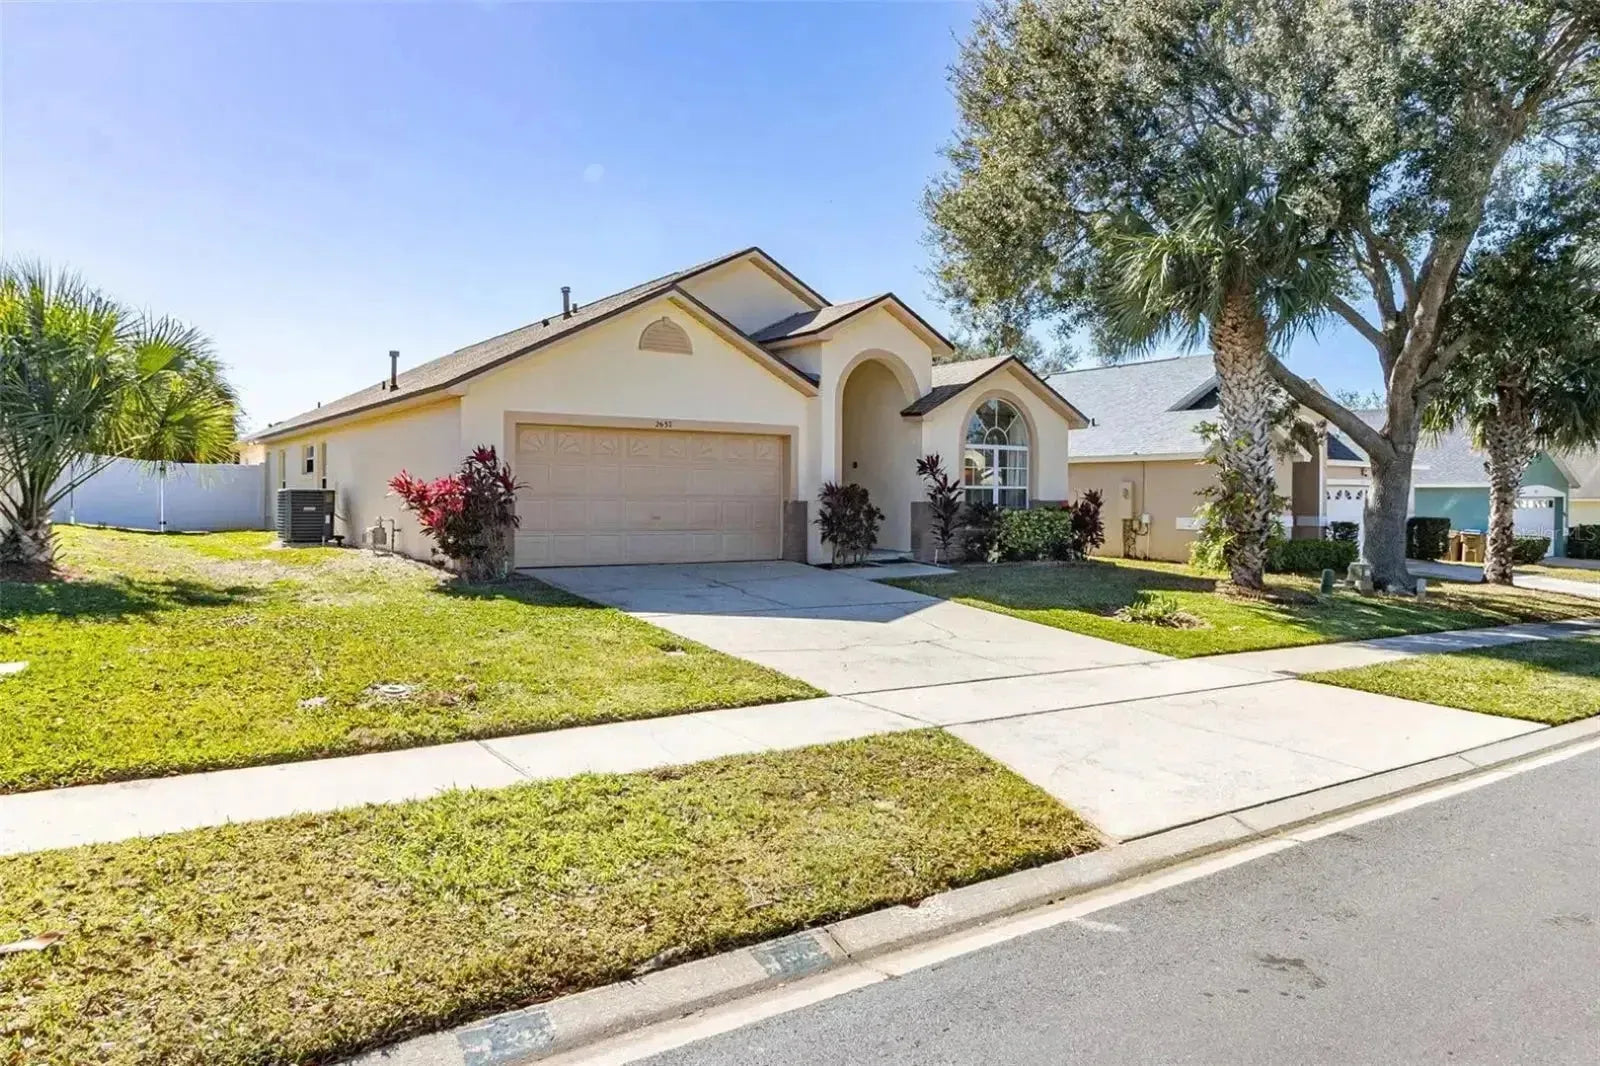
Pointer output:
1133, 741
838, 632
1472, 574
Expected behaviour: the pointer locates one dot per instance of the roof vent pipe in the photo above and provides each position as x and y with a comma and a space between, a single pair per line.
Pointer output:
566, 301
394, 370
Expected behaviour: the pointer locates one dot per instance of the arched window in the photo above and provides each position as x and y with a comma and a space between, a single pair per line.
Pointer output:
995, 466
665, 335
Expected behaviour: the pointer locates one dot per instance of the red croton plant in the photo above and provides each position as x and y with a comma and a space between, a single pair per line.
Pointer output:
470, 514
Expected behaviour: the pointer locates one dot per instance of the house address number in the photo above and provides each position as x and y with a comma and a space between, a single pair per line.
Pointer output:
663, 423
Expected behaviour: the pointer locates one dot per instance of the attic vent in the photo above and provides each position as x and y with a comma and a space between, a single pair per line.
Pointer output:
665, 335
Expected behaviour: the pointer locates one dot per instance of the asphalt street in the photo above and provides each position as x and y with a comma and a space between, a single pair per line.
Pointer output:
1463, 931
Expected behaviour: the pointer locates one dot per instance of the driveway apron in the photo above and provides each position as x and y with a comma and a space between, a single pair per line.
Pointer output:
843, 634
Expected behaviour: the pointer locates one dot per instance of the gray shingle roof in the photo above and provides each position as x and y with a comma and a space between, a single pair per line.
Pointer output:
949, 379
475, 358
1586, 468
804, 322
1445, 459
1129, 405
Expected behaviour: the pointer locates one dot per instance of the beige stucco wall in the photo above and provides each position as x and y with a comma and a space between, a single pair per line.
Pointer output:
600, 377
1584, 512
360, 458
1166, 489
879, 449
745, 295
944, 431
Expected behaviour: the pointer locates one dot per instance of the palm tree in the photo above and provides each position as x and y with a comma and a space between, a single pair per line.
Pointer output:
1527, 317
84, 380
1231, 261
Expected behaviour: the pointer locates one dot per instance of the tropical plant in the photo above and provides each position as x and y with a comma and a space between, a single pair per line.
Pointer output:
1152, 608
1396, 121
945, 499
981, 532
471, 515
1526, 315
85, 380
1088, 528
848, 521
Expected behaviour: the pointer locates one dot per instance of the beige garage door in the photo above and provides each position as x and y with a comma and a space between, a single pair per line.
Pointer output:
600, 496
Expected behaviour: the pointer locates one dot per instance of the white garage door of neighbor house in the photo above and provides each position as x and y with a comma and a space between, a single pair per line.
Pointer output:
603, 496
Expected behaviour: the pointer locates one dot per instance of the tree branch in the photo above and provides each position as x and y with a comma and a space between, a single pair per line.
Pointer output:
1368, 439
1382, 283
1358, 322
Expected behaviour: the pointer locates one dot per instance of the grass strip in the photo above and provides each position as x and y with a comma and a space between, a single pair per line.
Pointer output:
307, 938
1085, 597
172, 654
1552, 681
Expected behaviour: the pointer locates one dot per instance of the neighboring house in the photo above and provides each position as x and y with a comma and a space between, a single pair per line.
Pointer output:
694, 417
1143, 451
1585, 497
1449, 479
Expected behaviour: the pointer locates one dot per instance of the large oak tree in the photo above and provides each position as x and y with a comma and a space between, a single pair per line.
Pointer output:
1392, 122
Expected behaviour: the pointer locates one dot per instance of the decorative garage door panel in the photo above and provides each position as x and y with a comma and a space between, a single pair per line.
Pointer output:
597, 496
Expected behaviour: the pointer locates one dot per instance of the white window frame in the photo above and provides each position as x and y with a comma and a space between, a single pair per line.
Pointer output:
283, 468
308, 459
992, 451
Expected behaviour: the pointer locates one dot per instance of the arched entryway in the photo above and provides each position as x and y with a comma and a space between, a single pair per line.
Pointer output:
878, 448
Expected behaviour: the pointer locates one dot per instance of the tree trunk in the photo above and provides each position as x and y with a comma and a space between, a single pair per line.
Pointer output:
1388, 505
29, 544
1246, 396
1508, 440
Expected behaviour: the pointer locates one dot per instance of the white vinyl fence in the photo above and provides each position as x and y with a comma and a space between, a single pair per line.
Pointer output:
175, 497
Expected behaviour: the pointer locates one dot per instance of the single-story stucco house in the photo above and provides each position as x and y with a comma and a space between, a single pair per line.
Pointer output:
1449, 479
1143, 450
691, 418
1584, 500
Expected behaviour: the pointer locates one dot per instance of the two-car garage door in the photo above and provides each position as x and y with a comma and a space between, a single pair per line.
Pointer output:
595, 496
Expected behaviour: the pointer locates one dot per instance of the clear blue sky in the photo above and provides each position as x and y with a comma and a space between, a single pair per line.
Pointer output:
314, 184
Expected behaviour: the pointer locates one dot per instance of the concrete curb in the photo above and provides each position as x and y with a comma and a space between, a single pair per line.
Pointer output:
584, 1018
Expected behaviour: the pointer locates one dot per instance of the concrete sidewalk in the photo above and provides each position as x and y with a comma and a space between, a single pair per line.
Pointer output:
1134, 748
1314, 658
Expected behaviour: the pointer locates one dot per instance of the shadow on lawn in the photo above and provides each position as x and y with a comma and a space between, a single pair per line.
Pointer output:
524, 590
99, 600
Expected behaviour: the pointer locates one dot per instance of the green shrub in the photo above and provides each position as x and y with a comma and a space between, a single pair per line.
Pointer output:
1427, 538
1349, 531
1525, 550
1583, 542
1211, 540
1152, 608
1311, 556
980, 531
1035, 533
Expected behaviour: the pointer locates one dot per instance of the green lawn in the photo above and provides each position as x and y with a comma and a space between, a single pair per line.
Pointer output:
308, 938
166, 654
1084, 597
1565, 573
1542, 681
